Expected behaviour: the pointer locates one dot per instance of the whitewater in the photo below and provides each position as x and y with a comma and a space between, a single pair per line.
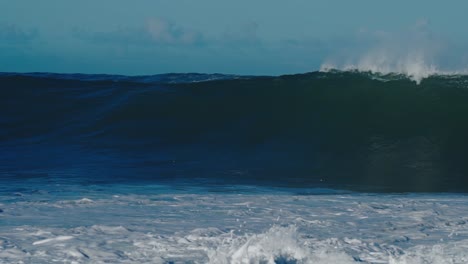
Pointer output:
243, 224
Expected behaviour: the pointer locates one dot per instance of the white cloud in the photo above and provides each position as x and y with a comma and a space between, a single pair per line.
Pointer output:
155, 31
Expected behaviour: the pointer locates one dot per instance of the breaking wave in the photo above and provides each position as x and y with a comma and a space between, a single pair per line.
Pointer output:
338, 129
414, 65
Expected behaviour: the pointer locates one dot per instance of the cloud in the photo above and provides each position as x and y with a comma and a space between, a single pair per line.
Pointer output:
117, 36
13, 34
155, 31
163, 31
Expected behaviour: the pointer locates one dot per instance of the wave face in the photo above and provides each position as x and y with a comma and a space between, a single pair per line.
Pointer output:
350, 130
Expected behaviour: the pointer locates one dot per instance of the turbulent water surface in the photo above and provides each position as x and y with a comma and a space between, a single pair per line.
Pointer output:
325, 167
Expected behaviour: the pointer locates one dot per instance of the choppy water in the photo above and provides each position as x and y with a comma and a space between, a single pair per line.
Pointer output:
157, 224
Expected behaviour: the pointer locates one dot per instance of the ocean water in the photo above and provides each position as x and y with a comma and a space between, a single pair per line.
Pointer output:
324, 167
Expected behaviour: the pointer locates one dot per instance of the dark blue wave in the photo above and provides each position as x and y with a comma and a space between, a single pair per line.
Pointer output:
339, 129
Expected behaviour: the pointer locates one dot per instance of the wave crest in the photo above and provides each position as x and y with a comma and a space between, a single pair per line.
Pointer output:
415, 66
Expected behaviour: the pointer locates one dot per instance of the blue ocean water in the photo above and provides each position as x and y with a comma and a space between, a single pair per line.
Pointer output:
335, 167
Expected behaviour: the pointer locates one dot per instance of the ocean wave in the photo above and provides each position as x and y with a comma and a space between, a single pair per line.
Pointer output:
311, 130
157, 78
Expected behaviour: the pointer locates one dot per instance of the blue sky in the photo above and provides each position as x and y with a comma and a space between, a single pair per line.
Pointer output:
240, 37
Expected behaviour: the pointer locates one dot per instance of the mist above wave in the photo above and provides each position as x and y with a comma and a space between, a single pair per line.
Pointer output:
416, 52
413, 66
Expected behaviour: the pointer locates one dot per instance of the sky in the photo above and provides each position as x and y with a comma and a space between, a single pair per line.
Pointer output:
260, 37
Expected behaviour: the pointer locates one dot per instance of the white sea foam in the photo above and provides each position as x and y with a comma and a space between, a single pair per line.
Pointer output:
267, 227
277, 245
54, 239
